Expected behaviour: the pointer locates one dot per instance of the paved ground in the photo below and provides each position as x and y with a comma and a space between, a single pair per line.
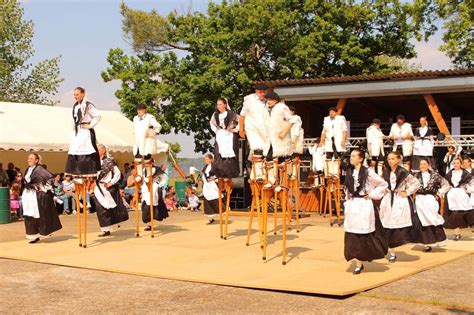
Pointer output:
38, 289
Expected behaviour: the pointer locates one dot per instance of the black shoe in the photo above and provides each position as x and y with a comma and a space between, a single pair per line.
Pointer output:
392, 258
428, 249
105, 234
36, 240
211, 221
358, 270
147, 228
457, 237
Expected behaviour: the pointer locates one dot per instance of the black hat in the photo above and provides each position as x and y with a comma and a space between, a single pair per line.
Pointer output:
141, 106
272, 96
261, 86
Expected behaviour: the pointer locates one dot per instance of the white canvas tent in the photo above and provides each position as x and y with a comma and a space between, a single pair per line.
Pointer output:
48, 129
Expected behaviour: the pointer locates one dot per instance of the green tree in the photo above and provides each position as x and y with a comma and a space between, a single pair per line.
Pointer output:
20, 81
238, 42
459, 31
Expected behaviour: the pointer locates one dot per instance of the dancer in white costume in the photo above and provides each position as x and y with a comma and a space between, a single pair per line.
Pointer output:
375, 146
364, 236
333, 138
146, 143
433, 187
402, 136
252, 125
423, 147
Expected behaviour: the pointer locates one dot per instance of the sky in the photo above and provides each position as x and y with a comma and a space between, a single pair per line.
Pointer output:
83, 32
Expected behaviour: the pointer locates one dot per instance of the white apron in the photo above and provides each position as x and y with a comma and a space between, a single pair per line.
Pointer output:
225, 141
359, 216
28, 198
396, 216
427, 208
458, 200
210, 190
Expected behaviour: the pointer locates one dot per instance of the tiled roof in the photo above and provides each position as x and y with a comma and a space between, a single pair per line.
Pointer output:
397, 76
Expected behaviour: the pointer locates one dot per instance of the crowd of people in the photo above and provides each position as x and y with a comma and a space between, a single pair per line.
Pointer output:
391, 198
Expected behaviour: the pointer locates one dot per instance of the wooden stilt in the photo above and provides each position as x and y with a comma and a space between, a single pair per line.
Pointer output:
275, 198
136, 196
78, 190
150, 190
252, 210
227, 184
84, 210
219, 202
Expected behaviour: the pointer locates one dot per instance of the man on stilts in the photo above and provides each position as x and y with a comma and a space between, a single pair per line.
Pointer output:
146, 144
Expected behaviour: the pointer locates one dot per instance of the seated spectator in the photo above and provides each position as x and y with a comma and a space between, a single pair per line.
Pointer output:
170, 199
129, 189
193, 201
19, 181
68, 194
15, 199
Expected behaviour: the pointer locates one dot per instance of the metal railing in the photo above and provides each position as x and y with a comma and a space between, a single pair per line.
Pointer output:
465, 141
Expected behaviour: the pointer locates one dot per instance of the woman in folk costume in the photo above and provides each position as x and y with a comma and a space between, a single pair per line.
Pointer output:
423, 147
108, 202
375, 146
252, 126
83, 157
467, 165
225, 124
448, 161
402, 137
160, 211
363, 239
433, 186
397, 206
39, 211
459, 213
210, 190
146, 143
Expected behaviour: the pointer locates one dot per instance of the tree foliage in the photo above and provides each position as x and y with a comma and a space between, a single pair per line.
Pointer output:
20, 81
191, 59
459, 31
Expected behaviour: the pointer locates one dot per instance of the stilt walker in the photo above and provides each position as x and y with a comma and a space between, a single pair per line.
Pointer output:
278, 123
252, 126
225, 124
297, 145
333, 138
146, 144
83, 161
402, 136
375, 145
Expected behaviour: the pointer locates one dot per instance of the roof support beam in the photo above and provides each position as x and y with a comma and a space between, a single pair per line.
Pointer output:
439, 120
341, 103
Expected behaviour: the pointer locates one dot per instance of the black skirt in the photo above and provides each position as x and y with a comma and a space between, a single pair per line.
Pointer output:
401, 236
458, 219
109, 217
83, 164
431, 235
366, 247
160, 212
48, 222
227, 167
211, 206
